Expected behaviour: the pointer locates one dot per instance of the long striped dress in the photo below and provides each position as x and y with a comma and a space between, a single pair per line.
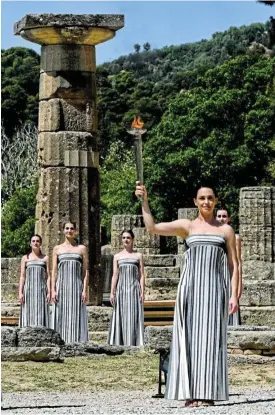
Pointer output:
34, 311
70, 313
198, 359
127, 323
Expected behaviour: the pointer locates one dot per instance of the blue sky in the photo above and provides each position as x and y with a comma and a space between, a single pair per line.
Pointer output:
161, 23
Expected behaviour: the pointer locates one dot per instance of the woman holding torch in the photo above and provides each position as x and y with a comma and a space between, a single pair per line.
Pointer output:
207, 291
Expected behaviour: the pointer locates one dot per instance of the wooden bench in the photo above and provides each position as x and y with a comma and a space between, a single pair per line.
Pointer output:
159, 313
9, 321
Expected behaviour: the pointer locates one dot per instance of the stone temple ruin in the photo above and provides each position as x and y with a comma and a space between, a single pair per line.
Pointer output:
69, 187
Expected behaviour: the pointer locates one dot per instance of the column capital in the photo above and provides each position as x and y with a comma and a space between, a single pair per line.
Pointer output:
52, 29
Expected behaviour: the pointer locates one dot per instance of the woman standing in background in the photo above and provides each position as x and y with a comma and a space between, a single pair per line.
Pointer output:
34, 286
224, 217
69, 289
127, 295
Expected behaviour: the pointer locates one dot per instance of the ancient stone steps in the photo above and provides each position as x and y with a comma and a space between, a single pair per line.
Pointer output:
159, 260
258, 293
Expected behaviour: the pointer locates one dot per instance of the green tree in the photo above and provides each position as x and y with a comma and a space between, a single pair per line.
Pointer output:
20, 84
137, 47
147, 46
18, 222
117, 178
218, 133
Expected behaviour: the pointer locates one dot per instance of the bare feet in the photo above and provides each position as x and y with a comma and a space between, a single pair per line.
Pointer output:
206, 403
191, 404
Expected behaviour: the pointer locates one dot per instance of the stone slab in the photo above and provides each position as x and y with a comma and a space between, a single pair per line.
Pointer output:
9, 292
258, 293
155, 337
162, 272
99, 318
38, 337
67, 85
126, 222
67, 115
257, 243
258, 315
10, 267
52, 146
90, 349
35, 354
159, 260
258, 270
8, 337
29, 21
161, 288
251, 339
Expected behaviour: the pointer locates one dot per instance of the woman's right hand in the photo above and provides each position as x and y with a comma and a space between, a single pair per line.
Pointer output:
112, 299
141, 191
54, 297
21, 298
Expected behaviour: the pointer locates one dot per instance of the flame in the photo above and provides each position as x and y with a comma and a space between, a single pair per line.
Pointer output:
137, 122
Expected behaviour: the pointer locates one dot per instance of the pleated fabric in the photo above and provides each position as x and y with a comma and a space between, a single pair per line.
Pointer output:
34, 311
198, 359
70, 313
127, 322
235, 319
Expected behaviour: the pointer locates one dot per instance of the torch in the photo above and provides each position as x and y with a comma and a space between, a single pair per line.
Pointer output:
137, 130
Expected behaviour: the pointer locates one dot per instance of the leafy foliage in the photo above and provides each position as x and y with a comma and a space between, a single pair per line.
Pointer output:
219, 133
20, 83
18, 221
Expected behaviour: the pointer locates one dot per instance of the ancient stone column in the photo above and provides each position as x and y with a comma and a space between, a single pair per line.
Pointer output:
67, 142
257, 230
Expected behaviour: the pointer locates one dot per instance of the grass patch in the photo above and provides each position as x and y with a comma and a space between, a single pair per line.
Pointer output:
133, 373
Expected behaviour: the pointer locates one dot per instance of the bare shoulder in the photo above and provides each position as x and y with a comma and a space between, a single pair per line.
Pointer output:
56, 248
228, 231
185, 222
140, 256
83, 248
24, 258
46, 258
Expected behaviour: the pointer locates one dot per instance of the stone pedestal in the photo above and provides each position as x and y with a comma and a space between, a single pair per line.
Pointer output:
67, 141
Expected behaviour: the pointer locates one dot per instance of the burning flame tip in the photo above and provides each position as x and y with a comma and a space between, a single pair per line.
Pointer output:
137, 122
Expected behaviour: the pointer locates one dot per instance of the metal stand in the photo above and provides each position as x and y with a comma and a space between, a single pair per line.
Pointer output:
161, 352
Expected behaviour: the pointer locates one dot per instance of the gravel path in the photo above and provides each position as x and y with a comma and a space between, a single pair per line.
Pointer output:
242, 402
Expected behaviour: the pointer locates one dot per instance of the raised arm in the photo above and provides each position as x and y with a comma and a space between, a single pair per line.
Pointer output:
54, 272
114, 280
142, 278
233, 268
85, 275
178, 227
22, 280
48, 276
239, 259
